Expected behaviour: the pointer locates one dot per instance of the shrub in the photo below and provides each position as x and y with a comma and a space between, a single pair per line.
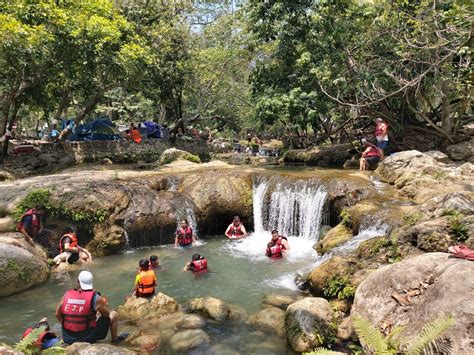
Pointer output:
339, 287
410, 219
458, 230
345, 217
33, 198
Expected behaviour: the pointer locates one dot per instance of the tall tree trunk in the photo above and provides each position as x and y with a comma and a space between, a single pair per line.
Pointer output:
89, 107
11, 121
62, 104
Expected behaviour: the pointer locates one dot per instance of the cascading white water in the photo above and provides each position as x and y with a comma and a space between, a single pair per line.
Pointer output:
295, 208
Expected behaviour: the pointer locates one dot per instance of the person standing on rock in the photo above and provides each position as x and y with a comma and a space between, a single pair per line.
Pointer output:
370, 156
69, 249
236, 229
278, 246
381, 134
184, 235
78, 311
31, 226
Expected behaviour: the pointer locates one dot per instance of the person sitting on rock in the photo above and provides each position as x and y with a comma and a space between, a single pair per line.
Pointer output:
184, 235
236, 229
69, 250
154, 263
279, 244
135, 134
31, 226
370, 156
77, 312
46, 339
145, 281
198, 264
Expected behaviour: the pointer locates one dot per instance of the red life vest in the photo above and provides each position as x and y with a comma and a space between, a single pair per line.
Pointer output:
35, 221
39, 341
78, 311
275, 251
73, 243
146, 287
373, 152
199, 265
185, 236
236, 231
379, 130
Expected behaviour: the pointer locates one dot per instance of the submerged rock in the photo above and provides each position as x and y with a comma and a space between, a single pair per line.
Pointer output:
101, 348
279, 301
269, 319
188, 339
308, 324
419, 290
22, 265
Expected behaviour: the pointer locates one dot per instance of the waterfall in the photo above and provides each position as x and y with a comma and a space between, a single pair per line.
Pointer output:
187, 212
293, 208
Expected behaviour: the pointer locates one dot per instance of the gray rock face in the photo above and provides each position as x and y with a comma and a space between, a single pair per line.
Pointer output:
438, 206
279, 301
461, 151
270, 319
439, 156
95, 349
307, 323
439, 285
22, 265
188, 339
210, 307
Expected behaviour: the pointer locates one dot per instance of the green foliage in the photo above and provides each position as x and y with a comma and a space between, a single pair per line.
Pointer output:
193, 158
339, 287
371, 336
410, 219
345, 217
28, 344
458, 230
430, 332
33, 198
321, 351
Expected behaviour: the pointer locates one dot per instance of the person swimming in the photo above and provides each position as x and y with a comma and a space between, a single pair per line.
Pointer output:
198, 264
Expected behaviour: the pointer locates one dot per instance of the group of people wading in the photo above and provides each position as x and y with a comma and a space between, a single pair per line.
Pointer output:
82, 311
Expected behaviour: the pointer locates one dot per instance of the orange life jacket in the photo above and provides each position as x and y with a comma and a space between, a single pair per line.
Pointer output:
77, 310
73, 243
135, 135
146, 287
185, 236
35, 222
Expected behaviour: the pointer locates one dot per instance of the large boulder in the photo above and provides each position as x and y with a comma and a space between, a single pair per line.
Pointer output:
137, 309
210, 307
22, 265
419, 290
462, 202
308, 324
94, 349
269, 319
334, 155
335, 267
402, 167
461, 151
172, 154
186, 340
218, 197
107, 240
334, 237
438, 156
429, 236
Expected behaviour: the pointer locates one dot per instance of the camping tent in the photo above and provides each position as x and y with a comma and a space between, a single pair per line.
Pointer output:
101, 129
152, 130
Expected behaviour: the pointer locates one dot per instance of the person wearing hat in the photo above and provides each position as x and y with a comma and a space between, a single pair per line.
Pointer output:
78, 311
236, 229
370, 156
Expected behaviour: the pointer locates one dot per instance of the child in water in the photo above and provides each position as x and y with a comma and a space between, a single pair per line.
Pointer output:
198, 264
154, 263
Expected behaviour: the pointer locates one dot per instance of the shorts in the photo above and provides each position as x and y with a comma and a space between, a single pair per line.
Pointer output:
73, 258
382, 144
91, 335
372, 160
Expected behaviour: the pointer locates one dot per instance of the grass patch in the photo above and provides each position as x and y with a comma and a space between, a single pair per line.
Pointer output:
340, 288
412, 218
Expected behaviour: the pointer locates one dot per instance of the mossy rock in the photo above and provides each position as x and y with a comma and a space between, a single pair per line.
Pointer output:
173, 154
337, 266
334, 237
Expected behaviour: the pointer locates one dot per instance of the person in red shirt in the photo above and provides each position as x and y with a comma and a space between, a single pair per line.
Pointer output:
370, 156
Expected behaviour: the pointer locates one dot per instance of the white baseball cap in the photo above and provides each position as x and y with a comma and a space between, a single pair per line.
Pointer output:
85, 280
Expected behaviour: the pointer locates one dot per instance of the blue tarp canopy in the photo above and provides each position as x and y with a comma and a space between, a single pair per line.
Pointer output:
101, 129
153, 130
